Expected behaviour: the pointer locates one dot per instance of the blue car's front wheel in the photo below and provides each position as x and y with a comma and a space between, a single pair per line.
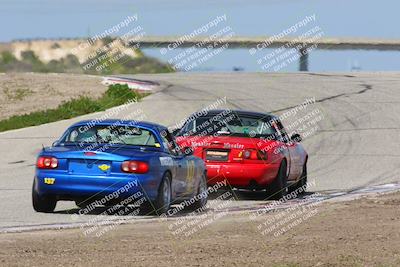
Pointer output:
42, 203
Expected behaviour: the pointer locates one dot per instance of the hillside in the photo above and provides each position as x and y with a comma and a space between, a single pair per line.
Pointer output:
105, 56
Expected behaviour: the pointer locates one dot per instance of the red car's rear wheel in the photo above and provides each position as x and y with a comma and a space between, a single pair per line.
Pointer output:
302, 182
278, 188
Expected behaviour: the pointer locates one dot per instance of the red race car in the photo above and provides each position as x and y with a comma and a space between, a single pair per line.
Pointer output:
247, 149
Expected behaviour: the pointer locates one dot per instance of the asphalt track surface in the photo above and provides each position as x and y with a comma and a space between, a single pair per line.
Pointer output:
355, 145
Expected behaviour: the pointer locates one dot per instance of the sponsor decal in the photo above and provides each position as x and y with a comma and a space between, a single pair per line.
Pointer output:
237, 145
166, 161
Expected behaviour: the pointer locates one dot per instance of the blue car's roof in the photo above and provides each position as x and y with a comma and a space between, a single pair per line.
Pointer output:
145, 124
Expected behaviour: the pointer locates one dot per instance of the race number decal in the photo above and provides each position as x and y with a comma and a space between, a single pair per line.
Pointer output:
190, 173
49, 180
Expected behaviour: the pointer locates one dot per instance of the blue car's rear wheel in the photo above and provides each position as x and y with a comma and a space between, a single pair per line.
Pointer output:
43, 203
163, 202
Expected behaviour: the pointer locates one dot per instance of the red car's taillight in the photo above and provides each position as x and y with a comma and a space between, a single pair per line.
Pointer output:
262, 155
134, 166
254, 154
47, 163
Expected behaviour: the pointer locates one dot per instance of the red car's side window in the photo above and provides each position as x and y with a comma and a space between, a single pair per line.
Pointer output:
281, 131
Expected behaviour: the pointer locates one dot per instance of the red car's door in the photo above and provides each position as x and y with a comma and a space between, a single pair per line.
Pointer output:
295, 160
294, 153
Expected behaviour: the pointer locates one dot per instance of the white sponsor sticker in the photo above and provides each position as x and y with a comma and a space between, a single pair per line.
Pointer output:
166, 161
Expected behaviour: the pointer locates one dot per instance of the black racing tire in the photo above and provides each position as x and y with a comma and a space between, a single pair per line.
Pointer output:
201, 195
302, 182
303, 177
278, 188
45, 204
163, 202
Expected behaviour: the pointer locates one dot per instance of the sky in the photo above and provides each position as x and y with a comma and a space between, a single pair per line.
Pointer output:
21, 19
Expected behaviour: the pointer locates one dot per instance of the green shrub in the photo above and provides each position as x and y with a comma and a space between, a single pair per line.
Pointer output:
114, 96
29, 57
7, 57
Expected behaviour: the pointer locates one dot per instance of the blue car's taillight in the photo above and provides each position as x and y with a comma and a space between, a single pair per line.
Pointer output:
47, 163
134, 166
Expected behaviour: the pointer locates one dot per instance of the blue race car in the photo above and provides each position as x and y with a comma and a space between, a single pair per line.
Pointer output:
110, 161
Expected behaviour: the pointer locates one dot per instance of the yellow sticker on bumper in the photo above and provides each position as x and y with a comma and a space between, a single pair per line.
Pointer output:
49, 180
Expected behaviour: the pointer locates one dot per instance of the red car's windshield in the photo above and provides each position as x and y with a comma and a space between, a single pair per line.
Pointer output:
230, 124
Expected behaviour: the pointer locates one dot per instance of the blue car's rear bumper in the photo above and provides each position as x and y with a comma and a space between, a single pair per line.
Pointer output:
67, 186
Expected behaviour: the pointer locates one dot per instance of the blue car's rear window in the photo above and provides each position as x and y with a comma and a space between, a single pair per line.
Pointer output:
110, 134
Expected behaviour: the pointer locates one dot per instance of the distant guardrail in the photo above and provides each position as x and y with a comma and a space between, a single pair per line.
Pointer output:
251, 42
248, 42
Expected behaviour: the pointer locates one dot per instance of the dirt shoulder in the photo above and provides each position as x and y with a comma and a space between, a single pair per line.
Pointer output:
22, 93
364, 232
